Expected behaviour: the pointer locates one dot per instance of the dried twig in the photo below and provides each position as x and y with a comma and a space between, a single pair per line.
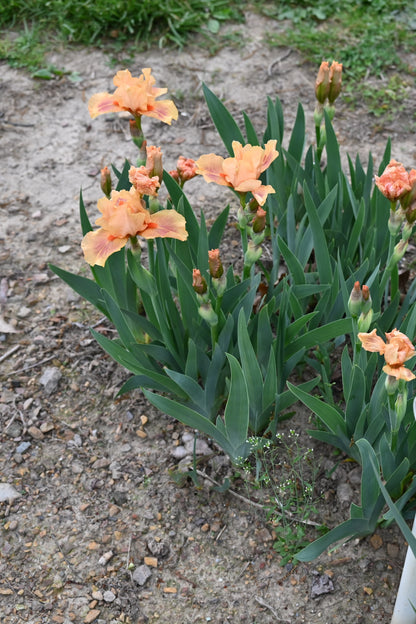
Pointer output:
26, 368
278, 60
9, 352
221, 532
128, 554
287, 513
264, 604
243, 498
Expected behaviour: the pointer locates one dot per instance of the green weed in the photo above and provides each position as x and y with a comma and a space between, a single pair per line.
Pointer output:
92, 21
288, 472
111, 24
369, 38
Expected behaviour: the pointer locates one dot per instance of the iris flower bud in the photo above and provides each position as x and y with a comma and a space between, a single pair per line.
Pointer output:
355, 300
252, 254
208, 314
399, 251
400, 405
364, 321
322, 83
335, 81
259, 221
199, 283
391, 384
215, 264
367, 301
105, 182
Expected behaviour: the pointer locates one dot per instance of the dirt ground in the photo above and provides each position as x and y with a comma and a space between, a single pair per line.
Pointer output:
93, 527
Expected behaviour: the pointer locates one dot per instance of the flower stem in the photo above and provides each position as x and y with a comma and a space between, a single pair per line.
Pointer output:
389, 269
151, 253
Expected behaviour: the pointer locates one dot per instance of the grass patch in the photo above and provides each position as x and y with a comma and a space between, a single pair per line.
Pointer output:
90, 21
28, 29
370, 38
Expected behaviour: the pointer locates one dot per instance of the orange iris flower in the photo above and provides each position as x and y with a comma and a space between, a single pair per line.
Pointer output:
394, 181
142, 182
136, 95
396, 351
124, 215
242, 171
186, 168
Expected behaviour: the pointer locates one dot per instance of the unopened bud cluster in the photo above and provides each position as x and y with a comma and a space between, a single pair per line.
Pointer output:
252, 218
185, 170
200, 286
327, 88
360, 306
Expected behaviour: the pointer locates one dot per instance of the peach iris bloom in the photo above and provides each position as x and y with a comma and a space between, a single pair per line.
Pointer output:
394, 181
186, 168
396, 351
124, 215
242, 171
136, 95
142, 182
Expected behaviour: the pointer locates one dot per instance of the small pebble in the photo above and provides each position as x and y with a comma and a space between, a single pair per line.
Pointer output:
23, 446
24, 312
97, 595
179, 452
141, 574
46, 427
91, 616
8, 492
392, 550
35, 432
105, 558
50, 379
109, 596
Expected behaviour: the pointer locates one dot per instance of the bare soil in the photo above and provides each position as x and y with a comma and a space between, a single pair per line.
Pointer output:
91, 510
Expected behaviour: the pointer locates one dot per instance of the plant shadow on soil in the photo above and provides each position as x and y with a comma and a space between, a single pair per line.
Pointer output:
96, 501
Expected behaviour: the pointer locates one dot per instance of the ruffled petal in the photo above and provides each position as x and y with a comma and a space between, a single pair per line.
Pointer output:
372, 342
260, 194
166, 224
99, 245
101, 103
248, 185
165, 111
270, 154
124, 214
123, 78
399, 372
142, 182
210, 167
